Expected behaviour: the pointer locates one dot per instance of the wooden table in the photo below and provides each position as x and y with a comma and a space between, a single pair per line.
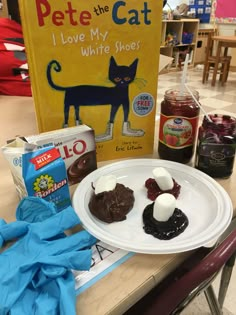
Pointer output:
222, 42
125, 285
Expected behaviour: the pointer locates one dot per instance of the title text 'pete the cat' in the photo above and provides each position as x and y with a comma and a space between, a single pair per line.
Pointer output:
84, 17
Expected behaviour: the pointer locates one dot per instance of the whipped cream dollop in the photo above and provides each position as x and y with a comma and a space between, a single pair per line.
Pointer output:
105, 183
163, 178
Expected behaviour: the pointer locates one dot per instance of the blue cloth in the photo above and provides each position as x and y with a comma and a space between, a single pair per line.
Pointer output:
35, 271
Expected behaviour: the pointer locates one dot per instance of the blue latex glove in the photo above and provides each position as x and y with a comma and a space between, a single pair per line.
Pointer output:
35, 209
2, 223
38, 260
46, 300
9, 232
31, 210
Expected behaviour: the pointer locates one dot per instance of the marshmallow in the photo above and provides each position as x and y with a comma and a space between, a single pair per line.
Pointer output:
164, 207
163, 178
105, 183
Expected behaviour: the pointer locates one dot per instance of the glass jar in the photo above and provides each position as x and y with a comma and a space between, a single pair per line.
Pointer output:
179, 117
216, 145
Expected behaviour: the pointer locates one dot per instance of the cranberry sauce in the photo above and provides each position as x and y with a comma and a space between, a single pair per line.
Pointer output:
153, 190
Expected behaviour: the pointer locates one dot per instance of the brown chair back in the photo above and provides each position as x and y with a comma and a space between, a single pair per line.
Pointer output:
210, 44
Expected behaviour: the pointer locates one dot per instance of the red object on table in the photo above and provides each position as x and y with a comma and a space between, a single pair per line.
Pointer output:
14, 77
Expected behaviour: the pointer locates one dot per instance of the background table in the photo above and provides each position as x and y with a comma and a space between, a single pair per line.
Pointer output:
222, 42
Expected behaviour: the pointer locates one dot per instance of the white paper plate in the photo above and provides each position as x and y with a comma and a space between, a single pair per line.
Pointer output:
202, 199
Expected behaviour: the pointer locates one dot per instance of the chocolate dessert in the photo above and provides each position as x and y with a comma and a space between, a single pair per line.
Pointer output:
81, 167
113, 205
164, 230
153, 190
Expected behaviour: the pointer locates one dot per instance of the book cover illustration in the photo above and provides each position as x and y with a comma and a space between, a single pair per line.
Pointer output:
95, 63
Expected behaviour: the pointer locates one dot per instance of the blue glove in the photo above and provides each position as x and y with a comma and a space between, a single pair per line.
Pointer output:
30, 209
9, 232
55, 297
35, 209
38, 262
2, 223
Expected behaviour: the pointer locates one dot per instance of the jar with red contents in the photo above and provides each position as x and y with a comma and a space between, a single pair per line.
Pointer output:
216, 145
179, 116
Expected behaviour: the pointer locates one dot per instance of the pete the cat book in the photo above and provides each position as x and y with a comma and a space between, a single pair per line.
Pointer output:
96, 63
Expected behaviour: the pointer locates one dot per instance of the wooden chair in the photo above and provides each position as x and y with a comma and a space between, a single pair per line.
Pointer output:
210, 61
192, 277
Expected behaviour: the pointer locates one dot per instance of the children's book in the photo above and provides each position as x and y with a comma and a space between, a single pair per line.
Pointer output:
95, 63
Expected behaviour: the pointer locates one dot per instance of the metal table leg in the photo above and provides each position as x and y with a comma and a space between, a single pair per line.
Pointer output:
212, 301
225, 279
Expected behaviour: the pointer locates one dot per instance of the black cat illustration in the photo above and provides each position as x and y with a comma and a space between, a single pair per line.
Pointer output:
93, 95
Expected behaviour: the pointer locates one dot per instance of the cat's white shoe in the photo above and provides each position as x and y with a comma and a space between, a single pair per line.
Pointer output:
78, 122
108, 135
128, 131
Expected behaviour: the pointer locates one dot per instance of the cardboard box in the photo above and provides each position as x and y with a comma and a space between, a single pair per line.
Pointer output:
76, 146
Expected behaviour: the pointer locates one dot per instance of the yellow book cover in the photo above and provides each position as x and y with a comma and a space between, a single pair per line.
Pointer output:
96, 63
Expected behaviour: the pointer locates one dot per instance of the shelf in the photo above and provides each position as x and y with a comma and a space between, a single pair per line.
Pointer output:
180, 45
172, 35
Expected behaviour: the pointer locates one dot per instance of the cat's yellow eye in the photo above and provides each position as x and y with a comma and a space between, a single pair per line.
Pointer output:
127, 79
117, 79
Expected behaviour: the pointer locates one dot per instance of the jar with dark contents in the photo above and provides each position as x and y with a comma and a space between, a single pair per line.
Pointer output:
216, 145
179, 117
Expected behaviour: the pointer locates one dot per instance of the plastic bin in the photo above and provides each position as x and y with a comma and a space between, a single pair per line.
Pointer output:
187, 38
